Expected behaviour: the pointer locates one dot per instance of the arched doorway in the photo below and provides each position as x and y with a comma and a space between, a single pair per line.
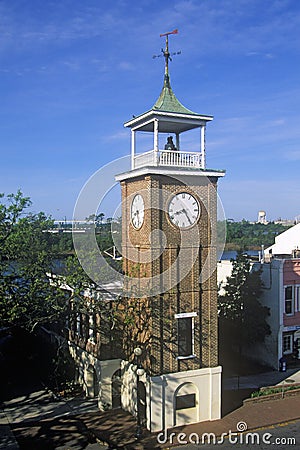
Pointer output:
186, 404
116, 383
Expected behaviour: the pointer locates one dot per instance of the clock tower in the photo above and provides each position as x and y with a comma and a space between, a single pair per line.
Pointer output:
169, 238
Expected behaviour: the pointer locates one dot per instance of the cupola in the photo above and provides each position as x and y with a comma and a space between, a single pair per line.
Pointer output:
169, 117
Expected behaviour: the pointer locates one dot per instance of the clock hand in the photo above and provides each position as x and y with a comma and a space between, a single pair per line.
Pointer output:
138, 216
187, 216
178, 212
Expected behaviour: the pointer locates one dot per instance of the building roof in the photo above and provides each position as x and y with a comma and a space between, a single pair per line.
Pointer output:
172, 115
286, 243
168, 102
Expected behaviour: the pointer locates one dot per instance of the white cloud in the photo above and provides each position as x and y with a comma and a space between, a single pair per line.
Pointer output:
292, 155
126, 65
119, 135
261, 54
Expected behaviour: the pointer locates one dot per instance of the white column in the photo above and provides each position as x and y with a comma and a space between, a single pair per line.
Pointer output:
132, 148
155, 129
202, 147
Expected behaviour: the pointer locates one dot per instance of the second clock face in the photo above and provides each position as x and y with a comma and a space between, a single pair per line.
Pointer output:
184, 210
137, 211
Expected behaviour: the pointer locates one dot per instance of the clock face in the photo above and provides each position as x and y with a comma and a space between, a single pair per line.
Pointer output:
137, 211
184, 210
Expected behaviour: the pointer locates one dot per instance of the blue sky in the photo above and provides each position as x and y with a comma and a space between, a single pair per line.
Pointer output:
72, 72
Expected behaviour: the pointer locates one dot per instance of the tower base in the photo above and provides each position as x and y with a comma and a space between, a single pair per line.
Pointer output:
184, 397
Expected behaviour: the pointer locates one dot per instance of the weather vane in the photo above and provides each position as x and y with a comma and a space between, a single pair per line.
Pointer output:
165, 52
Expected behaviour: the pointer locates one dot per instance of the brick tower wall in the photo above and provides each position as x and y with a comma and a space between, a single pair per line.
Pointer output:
194, 291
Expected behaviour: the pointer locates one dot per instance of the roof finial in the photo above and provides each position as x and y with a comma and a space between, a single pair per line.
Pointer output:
167, 54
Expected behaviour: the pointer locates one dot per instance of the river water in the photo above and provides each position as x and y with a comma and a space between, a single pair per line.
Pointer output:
231, 254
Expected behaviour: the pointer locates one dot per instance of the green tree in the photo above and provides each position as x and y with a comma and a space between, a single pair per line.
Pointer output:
242, 318
27, 297
245, 235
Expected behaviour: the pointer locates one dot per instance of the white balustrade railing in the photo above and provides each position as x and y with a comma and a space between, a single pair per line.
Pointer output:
144, 159
168, 158
179, 158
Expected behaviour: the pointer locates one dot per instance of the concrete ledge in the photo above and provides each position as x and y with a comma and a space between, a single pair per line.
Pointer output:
276, 396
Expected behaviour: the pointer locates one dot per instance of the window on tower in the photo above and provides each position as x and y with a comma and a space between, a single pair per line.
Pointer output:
185, 336
185, 328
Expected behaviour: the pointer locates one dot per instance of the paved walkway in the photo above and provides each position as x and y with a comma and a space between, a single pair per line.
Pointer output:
7, 438
38, 413
262, 379
118, 428
250, 416
31, 416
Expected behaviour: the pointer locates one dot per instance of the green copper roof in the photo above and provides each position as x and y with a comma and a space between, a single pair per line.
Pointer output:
168, 102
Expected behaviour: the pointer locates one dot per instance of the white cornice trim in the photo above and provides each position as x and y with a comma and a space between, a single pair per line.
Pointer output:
142, 171
165, 114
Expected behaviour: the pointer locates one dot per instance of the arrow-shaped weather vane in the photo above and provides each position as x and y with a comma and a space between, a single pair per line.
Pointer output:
165, 52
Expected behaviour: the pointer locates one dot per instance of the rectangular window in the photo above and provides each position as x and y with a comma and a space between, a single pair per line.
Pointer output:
185, 329
185, 336
289, 300
185, 401
287, 343
297, 298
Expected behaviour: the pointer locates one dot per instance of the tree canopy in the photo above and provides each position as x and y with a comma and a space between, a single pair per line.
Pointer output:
29, 254
27, 298
242, 318
245, 235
